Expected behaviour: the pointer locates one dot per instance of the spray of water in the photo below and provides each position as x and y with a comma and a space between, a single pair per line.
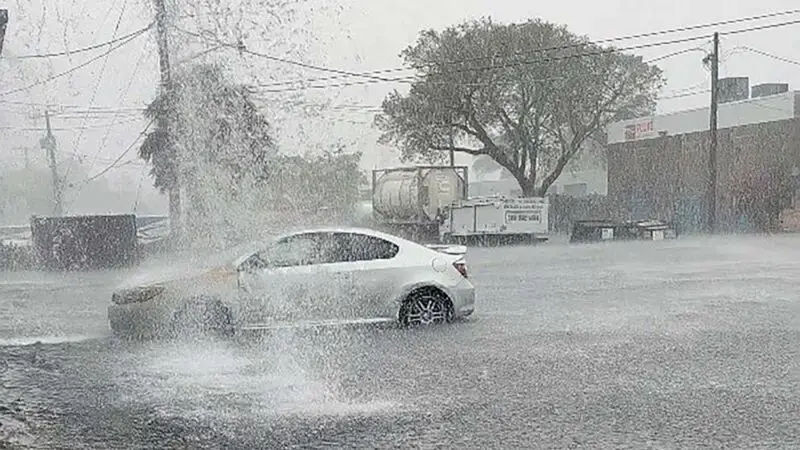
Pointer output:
274, 377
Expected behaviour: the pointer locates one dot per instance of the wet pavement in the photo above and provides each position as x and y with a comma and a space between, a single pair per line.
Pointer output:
682, 344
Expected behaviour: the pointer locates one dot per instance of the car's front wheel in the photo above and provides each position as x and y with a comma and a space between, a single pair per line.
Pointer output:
425, 307
202, 317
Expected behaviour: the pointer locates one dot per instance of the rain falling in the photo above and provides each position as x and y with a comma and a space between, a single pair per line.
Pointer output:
386, 224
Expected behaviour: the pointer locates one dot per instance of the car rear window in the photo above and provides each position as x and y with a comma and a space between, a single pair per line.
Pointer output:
352, 247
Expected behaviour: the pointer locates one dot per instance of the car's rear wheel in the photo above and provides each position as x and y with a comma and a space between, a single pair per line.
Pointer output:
202, 317
426, 307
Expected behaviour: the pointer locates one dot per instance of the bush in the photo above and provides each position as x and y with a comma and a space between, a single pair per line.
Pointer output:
16, 257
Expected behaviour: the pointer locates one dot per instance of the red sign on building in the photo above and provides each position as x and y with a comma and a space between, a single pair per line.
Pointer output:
639, 130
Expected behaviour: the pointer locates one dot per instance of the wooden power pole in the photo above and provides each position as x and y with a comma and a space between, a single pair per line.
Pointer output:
712, 149
48, 143
165, 118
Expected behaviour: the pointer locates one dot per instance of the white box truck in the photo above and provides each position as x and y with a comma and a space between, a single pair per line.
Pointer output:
496, 220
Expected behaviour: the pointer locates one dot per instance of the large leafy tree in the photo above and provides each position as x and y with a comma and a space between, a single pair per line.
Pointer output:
527, 95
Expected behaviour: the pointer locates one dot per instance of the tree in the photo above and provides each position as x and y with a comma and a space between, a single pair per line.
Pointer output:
527, 95
220, 143
312, 183
216, 123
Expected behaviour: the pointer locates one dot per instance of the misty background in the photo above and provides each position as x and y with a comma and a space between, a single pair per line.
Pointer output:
96, 110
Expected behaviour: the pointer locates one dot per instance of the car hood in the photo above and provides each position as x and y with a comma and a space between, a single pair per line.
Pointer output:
169, 275
190, 267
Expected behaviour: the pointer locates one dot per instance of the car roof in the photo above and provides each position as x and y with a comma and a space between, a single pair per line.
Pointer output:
254, 246
356, 230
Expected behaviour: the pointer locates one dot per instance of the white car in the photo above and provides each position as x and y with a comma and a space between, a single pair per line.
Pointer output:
309, 278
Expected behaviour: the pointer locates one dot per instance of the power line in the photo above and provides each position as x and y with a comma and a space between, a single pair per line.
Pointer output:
117, 161
412, 78
75, 129
75, 68
243, 49
770, 55
541, 60
507, 64
124, 94
94, 93
565, 47
81, 50
108, 130
66, 105
678, 53
759, 28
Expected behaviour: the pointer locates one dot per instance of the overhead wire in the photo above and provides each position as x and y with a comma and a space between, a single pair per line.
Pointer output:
94, 96
104, 140
243, 49
64, 105
373, 78
511, 64
117, 162
759, 28
75, 129
569, 46
78, 67
122, 155
78, 51
770, 55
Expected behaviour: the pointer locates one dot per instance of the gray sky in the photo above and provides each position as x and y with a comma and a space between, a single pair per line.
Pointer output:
356, 35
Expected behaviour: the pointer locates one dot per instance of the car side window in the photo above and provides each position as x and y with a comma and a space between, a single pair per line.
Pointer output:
355, 247
297, 250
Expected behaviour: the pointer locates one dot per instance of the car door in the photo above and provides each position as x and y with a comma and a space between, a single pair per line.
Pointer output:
278, 282
372, 271
333, 299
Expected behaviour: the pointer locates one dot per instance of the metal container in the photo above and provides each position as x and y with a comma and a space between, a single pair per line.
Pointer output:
766, 89
416, 194
733, 89
85, 242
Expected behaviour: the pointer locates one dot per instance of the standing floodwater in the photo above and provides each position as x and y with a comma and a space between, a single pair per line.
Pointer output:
639, 337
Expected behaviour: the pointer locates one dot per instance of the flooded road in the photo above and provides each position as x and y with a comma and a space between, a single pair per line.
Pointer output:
632, 345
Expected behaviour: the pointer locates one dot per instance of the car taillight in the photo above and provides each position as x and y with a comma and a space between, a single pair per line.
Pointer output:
461, 267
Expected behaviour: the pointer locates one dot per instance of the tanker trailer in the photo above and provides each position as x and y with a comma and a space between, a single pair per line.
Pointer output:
408, 201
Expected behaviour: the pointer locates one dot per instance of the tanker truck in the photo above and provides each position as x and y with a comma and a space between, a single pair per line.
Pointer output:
409, 201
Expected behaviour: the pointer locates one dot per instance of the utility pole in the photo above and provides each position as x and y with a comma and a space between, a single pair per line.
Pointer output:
165, 122
712, 150
3, 23
48, 143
